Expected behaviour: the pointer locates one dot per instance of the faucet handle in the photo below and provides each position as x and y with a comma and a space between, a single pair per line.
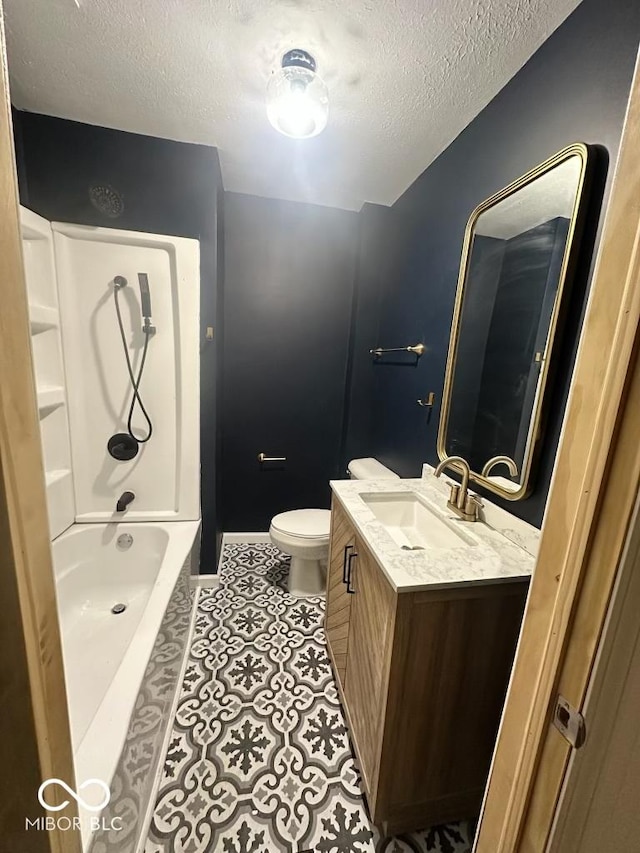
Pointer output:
473, 505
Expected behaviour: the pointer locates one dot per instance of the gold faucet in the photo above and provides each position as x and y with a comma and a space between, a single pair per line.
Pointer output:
495, 460
464, 505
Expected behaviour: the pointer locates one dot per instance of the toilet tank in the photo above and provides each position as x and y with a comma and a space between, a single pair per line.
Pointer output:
370, 469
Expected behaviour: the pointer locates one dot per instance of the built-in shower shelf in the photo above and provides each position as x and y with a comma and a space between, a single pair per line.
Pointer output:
50, 399
48, 368
42, 318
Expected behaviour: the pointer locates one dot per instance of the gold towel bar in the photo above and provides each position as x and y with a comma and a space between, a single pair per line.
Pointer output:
418, 350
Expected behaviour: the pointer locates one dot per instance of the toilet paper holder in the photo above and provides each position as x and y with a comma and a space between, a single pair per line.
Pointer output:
262, 457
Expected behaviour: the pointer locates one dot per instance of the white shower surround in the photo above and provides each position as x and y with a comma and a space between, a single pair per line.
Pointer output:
165, 474
69, 272
105, 655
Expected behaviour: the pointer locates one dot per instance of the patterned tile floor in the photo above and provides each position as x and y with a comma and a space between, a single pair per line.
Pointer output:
259, 758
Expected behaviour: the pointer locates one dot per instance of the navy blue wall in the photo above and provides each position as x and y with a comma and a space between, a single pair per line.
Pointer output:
288, 292
167, 188
372, 270
575, 88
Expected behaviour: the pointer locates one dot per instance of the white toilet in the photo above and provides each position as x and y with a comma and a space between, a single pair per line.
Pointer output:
303, 534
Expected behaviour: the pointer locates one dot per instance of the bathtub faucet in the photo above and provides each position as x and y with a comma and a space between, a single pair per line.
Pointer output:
124, 500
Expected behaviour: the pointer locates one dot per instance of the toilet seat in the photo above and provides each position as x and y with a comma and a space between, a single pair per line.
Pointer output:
307, 524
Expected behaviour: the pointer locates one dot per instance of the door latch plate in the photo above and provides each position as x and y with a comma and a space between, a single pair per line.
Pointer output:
569, 722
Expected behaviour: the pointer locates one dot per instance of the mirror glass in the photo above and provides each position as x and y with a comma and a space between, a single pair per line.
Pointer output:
512, 275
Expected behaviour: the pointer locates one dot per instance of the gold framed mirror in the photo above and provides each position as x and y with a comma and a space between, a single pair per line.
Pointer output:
517, 259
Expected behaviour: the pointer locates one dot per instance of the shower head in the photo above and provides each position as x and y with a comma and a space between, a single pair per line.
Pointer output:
145, 295
119, 282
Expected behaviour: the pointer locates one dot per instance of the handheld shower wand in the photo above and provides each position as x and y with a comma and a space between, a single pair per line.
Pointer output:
145, 302
125, 445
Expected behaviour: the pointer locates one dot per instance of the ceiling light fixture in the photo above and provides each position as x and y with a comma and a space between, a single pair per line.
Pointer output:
297, 98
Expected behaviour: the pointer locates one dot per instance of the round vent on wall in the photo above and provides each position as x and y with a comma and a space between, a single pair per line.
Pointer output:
106, 200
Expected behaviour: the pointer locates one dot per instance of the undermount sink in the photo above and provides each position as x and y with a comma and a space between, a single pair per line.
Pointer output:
413, 524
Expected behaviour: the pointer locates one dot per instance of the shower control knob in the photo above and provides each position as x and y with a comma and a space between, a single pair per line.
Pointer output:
122, 446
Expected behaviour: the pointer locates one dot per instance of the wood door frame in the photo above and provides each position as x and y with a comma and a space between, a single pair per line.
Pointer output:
36, 741
597, 805
589, 512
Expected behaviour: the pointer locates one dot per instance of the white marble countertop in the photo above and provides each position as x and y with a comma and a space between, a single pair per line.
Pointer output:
491, 559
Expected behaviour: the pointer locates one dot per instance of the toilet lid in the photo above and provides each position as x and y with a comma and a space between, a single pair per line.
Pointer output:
306, 523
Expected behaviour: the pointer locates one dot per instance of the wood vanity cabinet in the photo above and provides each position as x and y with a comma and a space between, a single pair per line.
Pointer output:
422, 677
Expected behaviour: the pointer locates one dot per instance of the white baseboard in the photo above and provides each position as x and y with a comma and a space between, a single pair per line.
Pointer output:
245, 539
203, 581
200, 581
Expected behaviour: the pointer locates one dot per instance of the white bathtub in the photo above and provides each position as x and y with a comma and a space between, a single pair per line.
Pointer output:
105, 655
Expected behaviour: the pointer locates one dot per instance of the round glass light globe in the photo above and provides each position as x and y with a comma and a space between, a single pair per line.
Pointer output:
297, 102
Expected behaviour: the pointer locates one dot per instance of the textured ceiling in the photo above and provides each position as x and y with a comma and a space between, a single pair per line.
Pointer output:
404, 79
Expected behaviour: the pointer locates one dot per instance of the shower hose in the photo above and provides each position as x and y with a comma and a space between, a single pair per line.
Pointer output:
135, 382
